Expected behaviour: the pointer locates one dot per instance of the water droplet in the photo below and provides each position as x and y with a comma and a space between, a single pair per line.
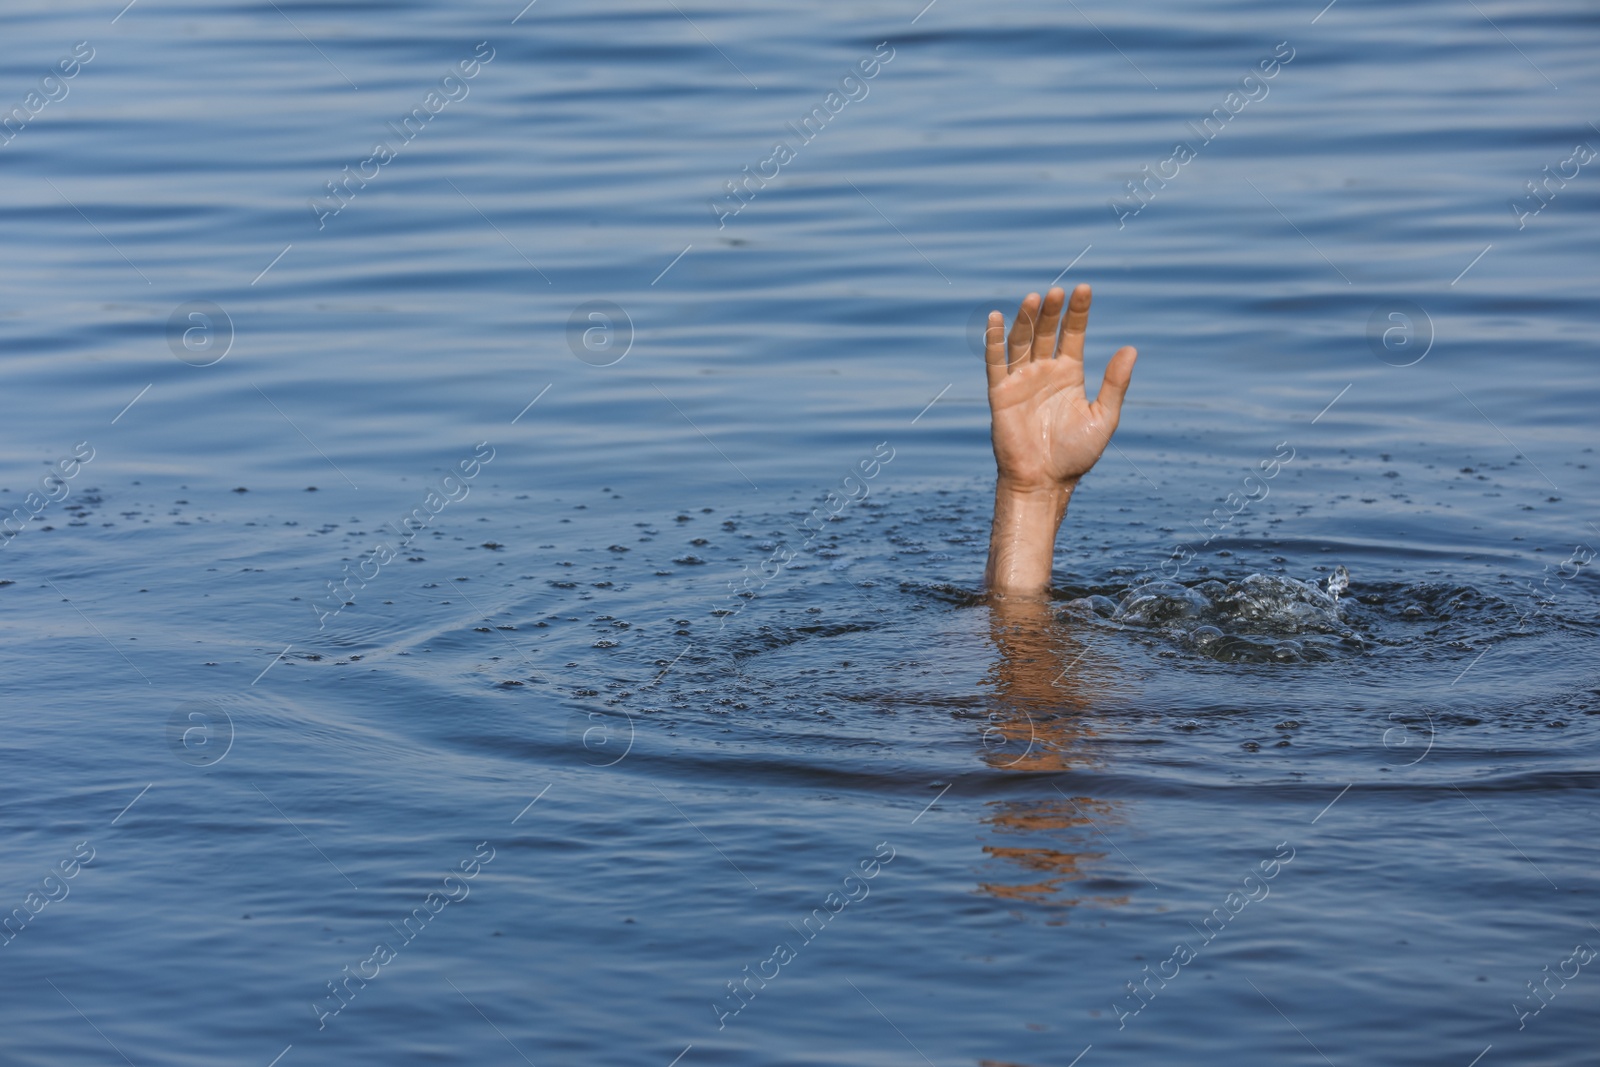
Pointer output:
1338, 581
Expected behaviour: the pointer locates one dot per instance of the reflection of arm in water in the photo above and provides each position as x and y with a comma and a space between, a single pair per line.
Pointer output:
1046, 433
1046, 843
1042, 681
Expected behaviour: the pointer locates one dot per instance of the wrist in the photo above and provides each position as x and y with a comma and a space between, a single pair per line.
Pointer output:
1022, 538
1025, 491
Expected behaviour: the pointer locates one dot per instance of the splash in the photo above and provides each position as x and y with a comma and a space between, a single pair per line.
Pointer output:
1259, 619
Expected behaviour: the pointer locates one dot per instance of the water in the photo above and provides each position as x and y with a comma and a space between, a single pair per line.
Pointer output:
941, 833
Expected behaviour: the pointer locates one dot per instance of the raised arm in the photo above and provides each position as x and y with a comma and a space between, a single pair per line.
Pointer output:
1045, 431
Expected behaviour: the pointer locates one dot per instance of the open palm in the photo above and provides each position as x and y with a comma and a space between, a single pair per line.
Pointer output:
1046, 433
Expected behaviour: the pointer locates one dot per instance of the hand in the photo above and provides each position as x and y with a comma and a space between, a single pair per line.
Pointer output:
1046, 434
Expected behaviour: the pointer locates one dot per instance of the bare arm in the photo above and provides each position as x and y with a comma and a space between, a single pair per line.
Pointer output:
1046, 433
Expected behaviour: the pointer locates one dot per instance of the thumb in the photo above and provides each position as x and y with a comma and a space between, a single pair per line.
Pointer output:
1114, 386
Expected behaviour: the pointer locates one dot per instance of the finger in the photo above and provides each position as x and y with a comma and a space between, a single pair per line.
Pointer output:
1021, 340
1077, 323
1044, 334
1114, 386
994, 348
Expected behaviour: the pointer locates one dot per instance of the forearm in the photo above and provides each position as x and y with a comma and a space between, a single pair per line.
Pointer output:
1022, 539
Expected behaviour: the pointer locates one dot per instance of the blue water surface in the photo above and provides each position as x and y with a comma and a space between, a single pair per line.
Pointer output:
479, 692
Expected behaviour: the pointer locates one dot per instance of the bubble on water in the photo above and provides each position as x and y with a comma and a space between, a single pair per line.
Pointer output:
1154, 603
1102, 605
1091, 606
